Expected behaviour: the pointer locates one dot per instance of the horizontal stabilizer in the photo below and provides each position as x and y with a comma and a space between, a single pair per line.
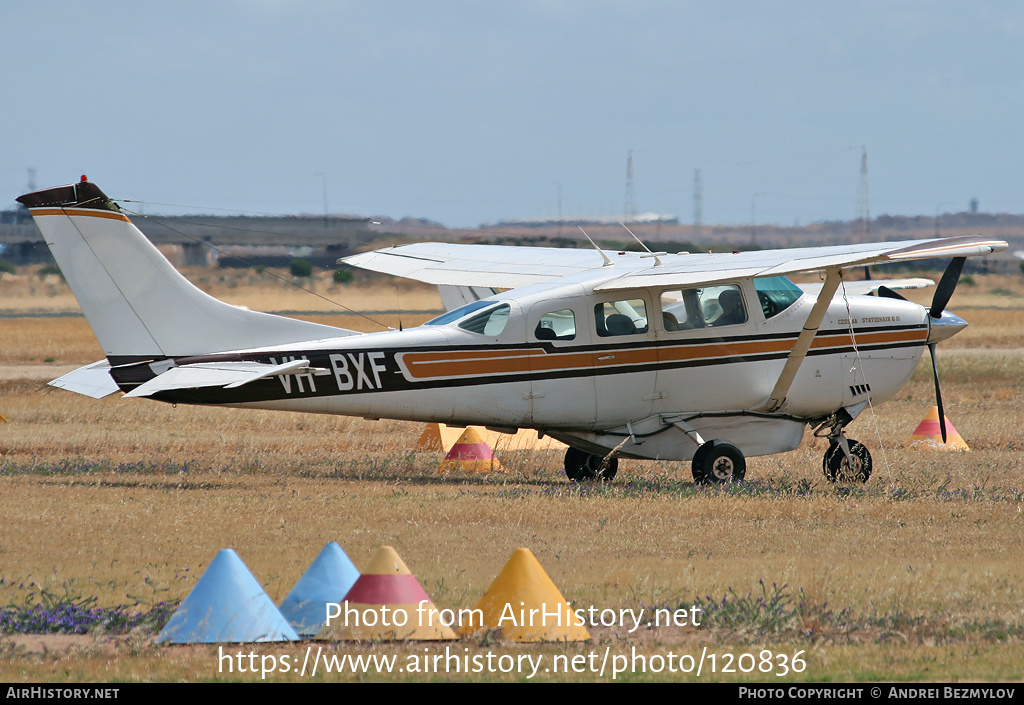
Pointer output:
227, 375
92, 380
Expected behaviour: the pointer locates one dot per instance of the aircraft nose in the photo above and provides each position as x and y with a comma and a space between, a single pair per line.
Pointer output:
946, 326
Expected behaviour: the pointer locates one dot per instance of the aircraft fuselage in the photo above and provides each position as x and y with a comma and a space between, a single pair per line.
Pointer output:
558, 366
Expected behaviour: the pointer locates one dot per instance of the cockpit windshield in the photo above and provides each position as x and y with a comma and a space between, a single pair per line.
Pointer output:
776, 294
457, 313
490, 322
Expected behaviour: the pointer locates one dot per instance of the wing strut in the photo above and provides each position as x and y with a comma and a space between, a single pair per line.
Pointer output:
803, 342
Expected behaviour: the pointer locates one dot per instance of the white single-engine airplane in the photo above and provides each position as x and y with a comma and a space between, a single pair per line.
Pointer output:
709, 357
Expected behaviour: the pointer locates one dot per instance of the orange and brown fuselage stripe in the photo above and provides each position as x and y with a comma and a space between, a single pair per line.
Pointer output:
388, 369
427, 365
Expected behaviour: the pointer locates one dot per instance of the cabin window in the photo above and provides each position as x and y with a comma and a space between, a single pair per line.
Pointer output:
680, 309
685, 309
776, 294
627, 317
489, 323
557, 325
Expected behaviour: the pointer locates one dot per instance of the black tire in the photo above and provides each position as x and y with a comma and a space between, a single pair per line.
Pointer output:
582, 467
697, 464
717, 462
837, 469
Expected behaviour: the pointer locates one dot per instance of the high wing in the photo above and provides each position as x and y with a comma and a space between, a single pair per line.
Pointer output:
498, 266
511, 267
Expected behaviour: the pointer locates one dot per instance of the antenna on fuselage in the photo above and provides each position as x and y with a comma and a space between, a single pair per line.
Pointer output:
607, 260
657, 262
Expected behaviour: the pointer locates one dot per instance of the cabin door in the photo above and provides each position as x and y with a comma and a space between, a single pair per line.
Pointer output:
561, 365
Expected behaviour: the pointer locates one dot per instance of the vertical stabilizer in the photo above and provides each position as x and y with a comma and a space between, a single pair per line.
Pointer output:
137, 304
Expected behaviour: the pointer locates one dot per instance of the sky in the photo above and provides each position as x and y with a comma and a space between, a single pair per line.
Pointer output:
473, 111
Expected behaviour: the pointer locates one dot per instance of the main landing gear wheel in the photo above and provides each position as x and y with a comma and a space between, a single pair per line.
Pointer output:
580, 466
718, 461
838, 469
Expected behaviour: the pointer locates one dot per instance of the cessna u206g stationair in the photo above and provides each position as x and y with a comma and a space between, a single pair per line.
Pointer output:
712, 357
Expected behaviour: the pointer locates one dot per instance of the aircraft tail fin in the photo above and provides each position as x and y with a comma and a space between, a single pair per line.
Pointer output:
138, 305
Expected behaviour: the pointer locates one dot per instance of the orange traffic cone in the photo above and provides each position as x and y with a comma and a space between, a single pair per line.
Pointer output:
470, 454
928, 435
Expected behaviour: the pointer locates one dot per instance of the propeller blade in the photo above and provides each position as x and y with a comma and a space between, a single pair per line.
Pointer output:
887, 293
938, 392
946, 287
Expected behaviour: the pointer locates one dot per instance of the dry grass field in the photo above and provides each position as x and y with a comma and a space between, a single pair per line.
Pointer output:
917, 575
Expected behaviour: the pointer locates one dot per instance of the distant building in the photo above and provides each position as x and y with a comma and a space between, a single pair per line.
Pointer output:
639, 218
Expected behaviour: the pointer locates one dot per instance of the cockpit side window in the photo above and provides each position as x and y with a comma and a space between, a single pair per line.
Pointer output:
490, 323
776, 294
557, 325
626, 317
729, 302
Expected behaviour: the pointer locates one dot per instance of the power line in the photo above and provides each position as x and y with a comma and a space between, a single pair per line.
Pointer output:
629, 208
698, 206
862, 218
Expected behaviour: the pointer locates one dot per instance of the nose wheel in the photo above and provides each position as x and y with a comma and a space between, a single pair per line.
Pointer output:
838, 467
716, 462
846, 460
580, 466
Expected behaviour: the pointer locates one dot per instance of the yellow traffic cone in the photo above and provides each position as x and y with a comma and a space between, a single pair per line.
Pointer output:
430, 439
438, 436
525, 604
524, 439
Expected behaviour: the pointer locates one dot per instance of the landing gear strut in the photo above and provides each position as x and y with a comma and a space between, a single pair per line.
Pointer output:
580, 466
846, 460
718, 461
